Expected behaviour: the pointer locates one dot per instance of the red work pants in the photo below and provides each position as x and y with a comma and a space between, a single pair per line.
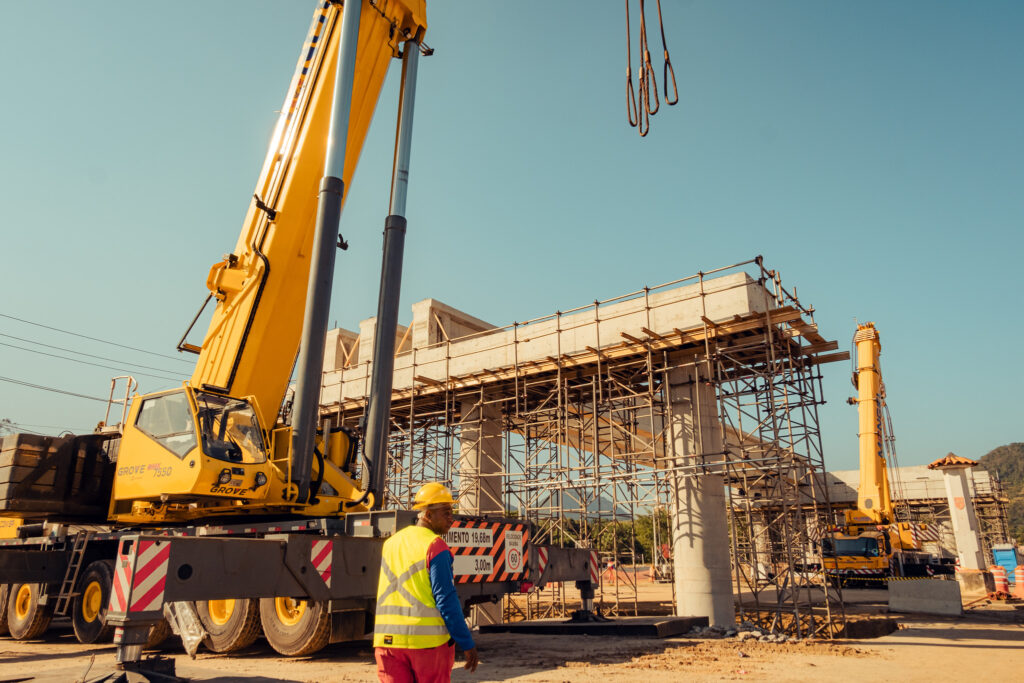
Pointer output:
406, 665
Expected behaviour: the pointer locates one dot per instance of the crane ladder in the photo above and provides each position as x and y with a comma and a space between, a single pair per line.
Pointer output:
67, 586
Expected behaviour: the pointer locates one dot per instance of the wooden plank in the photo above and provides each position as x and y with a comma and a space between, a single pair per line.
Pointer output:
820, 348
831, 358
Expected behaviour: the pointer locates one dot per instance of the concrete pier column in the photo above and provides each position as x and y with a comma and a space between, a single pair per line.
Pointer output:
480, 451
961, 510
480, 473
700, 537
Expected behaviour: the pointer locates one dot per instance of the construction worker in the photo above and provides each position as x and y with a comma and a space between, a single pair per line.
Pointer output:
419, 616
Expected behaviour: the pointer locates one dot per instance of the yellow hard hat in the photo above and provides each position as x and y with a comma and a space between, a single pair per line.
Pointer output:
432, 494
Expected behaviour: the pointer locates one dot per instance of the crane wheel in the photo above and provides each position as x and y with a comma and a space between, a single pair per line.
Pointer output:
89, 608
231, 625
295, 628
26, 618
5, 589
158, 633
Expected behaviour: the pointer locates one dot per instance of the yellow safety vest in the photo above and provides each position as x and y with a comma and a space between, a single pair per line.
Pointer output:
407, 615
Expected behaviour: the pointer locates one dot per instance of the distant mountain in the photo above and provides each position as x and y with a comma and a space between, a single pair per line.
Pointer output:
1008, 464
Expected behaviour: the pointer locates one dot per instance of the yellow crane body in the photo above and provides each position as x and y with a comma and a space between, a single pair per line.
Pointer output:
872, 542
874, 501
214, 446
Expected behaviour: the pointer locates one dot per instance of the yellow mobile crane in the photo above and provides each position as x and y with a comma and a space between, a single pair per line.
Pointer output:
873, 544
207, 508
215, 446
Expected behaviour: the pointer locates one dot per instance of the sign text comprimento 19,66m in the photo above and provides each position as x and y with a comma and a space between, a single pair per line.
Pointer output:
460, 537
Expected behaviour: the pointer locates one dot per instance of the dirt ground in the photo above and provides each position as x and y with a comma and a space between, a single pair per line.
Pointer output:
921, 650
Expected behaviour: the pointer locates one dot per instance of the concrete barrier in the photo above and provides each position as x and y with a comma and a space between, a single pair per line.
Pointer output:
975, 583
927, 596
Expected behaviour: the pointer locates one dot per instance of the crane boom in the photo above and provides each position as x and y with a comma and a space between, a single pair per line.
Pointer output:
260, 288
214, 446
874, 501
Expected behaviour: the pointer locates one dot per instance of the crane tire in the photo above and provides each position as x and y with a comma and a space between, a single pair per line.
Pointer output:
89, 608
5, 589
158, 633
26, 618
295, 628
230, 625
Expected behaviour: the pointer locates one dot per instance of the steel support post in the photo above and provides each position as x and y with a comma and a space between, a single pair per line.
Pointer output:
379, 410
321, 267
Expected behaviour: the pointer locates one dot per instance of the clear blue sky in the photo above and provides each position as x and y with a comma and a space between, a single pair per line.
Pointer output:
872, 151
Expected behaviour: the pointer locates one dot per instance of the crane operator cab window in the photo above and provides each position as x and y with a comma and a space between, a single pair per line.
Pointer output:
167, 420
229, 430
849, 547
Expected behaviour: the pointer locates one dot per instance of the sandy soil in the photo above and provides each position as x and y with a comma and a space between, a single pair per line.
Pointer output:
920, 651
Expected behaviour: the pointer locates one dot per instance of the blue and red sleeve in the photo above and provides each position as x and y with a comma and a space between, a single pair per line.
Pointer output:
442, 584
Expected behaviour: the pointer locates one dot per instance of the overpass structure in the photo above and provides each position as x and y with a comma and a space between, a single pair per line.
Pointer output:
693, 403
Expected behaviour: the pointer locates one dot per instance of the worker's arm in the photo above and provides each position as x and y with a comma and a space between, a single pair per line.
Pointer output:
442, 584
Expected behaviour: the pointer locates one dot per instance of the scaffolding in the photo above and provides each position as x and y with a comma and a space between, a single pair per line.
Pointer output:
921, 493
586, 450
989, 502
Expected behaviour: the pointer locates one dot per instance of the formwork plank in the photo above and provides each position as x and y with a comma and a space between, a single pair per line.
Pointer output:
643, 627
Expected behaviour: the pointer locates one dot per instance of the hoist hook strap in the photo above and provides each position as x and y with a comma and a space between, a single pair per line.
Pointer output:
648, 83
668, 64
631, 110
669, 71
644, 117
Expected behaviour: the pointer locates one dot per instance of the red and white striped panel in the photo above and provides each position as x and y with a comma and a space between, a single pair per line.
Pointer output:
150, 576
542, 561
595, 573
122, 581
321, 555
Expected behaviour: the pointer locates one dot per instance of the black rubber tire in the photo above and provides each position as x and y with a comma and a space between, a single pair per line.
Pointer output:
158, 633
309, 634
101, 574
241, 629
36, 618
4, 590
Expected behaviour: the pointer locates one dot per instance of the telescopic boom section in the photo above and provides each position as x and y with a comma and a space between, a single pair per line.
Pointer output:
261, 287
873, 497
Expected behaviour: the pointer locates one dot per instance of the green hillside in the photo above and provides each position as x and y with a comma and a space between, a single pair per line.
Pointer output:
1008, 464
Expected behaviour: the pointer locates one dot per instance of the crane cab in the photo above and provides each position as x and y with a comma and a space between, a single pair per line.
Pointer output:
197, 448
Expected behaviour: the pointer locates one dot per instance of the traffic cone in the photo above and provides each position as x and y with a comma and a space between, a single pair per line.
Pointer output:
999, 577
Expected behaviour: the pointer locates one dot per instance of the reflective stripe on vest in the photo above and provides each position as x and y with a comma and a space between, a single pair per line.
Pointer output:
407, 615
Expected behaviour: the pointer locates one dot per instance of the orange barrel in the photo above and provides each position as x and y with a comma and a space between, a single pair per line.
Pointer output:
1018, 578
999, 576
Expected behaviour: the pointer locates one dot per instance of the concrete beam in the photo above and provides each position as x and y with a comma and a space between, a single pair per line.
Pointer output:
720, 300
